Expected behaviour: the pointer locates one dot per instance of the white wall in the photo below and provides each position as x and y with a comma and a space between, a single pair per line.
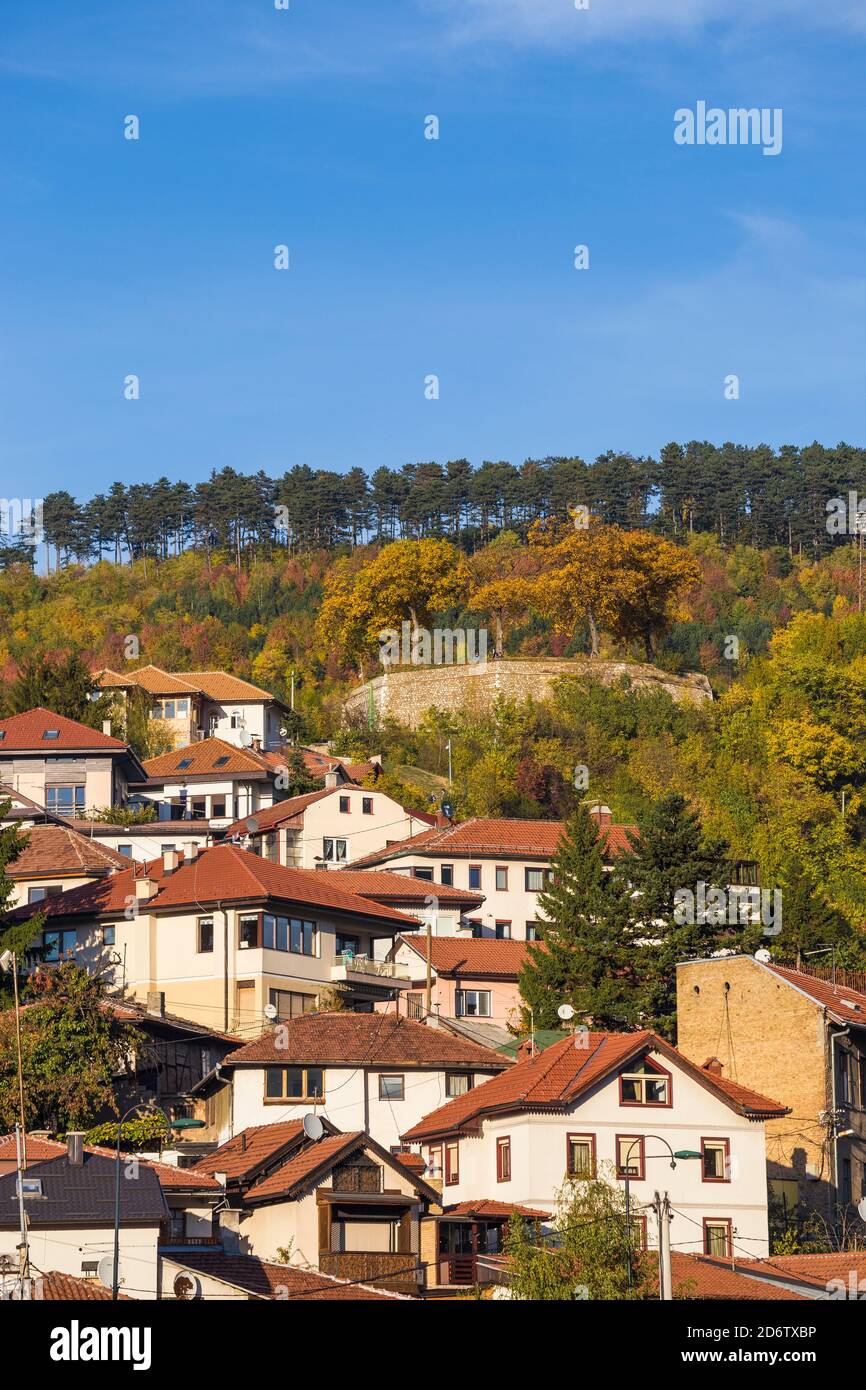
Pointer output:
513, 904
364, 834
538, 1161
63, 1249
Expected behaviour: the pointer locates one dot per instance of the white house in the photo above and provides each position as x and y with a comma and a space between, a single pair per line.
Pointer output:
618, 1106
506, 860
202, 704
210, 782
374, 1072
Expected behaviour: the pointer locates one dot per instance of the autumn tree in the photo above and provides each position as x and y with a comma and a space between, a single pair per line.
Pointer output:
501, 576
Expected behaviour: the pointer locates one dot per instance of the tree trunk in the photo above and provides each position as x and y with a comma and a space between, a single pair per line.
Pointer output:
497, 644
593, 633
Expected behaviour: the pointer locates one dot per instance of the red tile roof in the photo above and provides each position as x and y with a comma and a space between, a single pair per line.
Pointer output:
348, 1039
39, 1150
471, 957
66, 1288
559, 1076
524, 839
488, 1209
270, 1280
272, 816
59, 851
216, 685
698, 1276
845, 1004
223, 873
248, 1151
24, 732
293, 1176
202, 757
382, 885
814, 1270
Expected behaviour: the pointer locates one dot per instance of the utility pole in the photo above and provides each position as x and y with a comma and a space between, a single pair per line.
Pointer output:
433, 909
23, 1247
448, 746
663, 1215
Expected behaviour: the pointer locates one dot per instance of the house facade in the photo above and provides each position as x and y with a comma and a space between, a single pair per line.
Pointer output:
195, 705
379, 1073
57, 858
614, 1106
803, 1038
222, 936
211, 782
63, 766
470, 977
508, 861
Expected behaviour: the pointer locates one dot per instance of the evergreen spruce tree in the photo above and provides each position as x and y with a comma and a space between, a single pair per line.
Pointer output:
586, 955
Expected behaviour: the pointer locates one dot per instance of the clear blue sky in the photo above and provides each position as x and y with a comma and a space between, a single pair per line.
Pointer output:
410, 256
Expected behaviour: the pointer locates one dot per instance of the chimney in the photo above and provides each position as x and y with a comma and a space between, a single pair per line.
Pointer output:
75, 1147
145, 889
190, 852
256, 744
170, 861
243, 1141
106, 727
712, 1064
156, 1002
600, 813
331, 779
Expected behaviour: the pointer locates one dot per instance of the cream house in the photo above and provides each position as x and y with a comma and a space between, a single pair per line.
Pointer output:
211, 782
222, 935
374, 1072
63, 766
56, 858
617, 1106
202, 704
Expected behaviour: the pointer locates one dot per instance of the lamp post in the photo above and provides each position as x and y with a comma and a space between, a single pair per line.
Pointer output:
172, 1124
664, 1249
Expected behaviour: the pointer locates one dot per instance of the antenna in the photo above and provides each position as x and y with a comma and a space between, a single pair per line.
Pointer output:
313, 1127
565, 1012
271, 1011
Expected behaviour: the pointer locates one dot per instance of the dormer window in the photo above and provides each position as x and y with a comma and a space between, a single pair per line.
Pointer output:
51, 733
184, 762
221, 762
645, 1084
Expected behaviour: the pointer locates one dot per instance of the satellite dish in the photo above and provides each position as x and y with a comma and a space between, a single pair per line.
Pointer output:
246, 739
270, 1011
105, 1272
313, 1127
186, 1286
565, 1012
862, 1209
763, 956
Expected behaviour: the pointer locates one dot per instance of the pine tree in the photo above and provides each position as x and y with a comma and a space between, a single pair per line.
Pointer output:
668, 855
585, 956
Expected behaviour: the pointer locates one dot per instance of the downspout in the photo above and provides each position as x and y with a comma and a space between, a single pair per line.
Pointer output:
843, 1033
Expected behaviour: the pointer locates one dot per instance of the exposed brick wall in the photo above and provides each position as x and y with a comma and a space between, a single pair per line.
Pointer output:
406, 695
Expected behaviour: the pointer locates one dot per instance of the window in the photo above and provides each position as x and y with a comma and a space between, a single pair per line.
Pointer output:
126, 850
334, 851
531, 931
51, 733
434, 1161
717, 1236
58, 945
346, 943
290, 1004
221, 761
474, 875
205, 935
366, 805
501, 879
844, 1076
175, 709
452, 1164
580, 1155
863, 1086
50, 890
638, 1233
65, 800
414, 1005
425, 874
294, 1083
184, 762
716, 1156
536, 880
846, 1181
391, 1087
645, 1084
248, 933
344, 805
476, 925
472, 1003
29, 1187
503, 1160
630, 1156
107, 935
218, 809
503, 931
457, 1083
446, 875
289, 934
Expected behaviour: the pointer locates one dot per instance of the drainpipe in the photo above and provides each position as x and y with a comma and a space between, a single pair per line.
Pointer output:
843, 1033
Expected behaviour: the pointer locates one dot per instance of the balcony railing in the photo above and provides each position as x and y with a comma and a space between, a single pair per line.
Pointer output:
349, 964
389, 1271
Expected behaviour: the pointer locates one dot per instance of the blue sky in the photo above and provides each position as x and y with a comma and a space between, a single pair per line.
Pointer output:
411, 256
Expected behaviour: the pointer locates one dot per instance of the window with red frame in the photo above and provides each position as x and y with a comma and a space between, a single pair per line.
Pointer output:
503, 1159
452, 1164
630, 1156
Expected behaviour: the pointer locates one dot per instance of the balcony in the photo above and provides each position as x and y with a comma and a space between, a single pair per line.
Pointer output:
348, 966
400, 1273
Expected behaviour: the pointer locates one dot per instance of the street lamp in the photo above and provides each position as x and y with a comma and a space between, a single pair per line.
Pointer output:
182, 1123
682, 1154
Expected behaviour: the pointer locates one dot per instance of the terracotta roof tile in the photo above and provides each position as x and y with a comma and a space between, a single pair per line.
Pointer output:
524, 838
250, 1150
349, 1039
278, 814
471, 957
24, 732
815, 1270
270, 1280
66, 1288
224, 873
487, 1207
382, 884
557, 1077
292, 1176
201, 759
216, 685
844, 1003
698, 1276
60, 851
